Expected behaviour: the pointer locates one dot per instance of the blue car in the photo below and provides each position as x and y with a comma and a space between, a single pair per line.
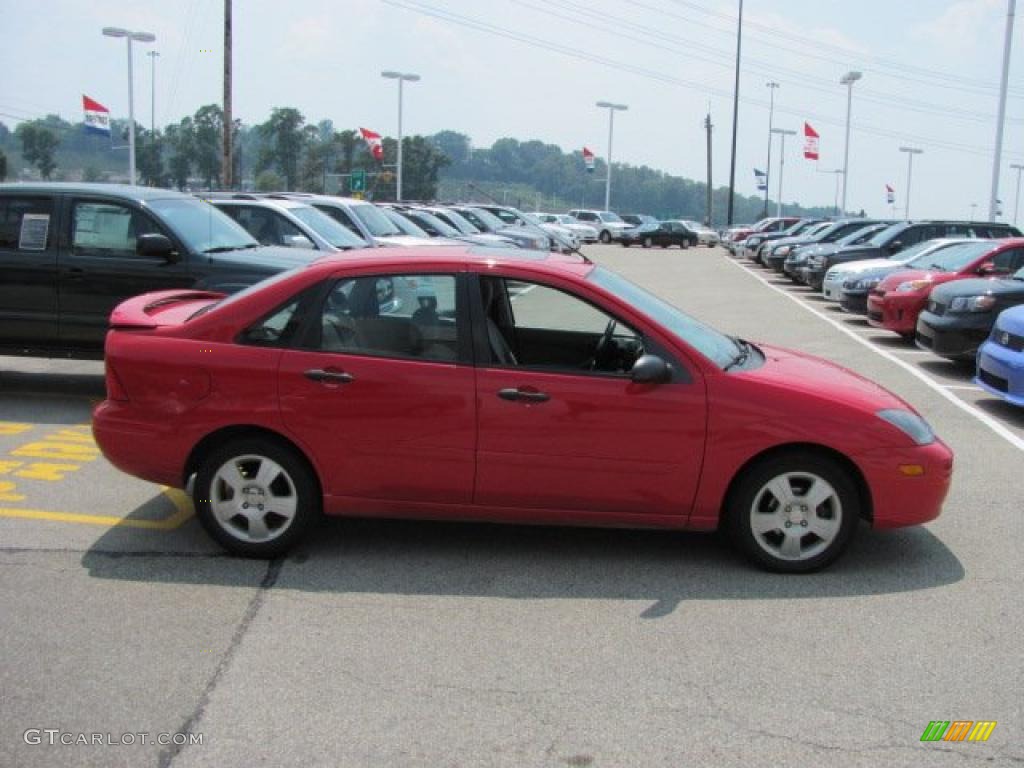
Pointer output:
1001, 358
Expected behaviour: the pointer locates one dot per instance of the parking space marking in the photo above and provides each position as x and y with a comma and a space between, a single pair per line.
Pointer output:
13, 427
984, 418
182, 506
962, 386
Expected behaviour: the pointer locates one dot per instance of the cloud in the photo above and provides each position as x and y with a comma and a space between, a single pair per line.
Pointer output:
961, 25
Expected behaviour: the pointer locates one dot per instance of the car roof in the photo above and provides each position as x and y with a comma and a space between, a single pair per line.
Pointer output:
124, 191
261, 201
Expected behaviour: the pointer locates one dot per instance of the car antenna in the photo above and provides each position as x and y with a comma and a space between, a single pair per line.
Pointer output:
568, 246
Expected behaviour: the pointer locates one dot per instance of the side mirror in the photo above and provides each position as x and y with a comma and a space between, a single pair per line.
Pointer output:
651, 369
156, 246
298, 241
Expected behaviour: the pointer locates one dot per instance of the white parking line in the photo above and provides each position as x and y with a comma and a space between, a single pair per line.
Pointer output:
971, 387
984, 418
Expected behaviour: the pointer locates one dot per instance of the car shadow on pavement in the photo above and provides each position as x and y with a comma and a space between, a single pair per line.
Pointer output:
1002, 410
960, 371
89, 385
662, 569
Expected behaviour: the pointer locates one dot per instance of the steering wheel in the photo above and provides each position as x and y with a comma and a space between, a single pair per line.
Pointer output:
603, 344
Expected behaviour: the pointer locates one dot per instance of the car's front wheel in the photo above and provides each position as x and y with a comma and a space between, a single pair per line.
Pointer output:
794, 513
648, 242
256, 497
606, 236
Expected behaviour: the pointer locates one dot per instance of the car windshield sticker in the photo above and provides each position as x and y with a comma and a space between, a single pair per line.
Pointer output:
34, 227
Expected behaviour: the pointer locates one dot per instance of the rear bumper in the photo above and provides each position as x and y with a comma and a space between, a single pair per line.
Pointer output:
118, 432
956, 336
899, 499
1001, 372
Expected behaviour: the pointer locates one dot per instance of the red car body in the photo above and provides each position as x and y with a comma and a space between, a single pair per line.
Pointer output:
897, 310
409, 438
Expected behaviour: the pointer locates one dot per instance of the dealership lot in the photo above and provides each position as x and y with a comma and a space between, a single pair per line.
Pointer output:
381, 643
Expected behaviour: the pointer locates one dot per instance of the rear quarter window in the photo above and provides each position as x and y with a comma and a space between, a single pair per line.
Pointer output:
26, 223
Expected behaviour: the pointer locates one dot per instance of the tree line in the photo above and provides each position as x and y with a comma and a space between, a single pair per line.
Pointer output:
288, 153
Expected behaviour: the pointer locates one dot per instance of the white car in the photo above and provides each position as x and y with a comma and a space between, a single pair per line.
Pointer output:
705, 235
832, 286
585, 232
608, 224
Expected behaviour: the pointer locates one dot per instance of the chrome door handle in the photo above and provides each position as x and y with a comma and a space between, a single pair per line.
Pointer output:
337, 377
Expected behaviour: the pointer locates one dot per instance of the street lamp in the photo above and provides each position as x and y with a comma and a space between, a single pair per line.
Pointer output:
848, 80
401, 77
772, 85
911, 151
611, 128
1016, 199
152, 95
783, 133
140, 37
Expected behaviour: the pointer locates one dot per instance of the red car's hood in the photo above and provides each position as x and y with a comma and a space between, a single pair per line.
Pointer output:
890, 282
821, 378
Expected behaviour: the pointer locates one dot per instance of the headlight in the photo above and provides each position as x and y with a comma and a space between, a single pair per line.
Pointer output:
913, 285
831, 276
863, 285
972, 304
910, 424
815, 261
783, 250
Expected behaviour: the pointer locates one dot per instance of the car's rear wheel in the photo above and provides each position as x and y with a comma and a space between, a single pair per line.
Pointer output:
606, 236
256, 497
648, 242
794, 513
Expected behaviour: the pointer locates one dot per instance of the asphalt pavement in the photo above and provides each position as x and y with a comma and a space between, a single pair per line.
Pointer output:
387, 643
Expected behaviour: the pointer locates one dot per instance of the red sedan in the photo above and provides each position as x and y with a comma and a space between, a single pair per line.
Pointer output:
500, 385
899, 298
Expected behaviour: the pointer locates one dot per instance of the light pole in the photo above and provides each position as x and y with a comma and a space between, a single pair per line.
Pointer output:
911, 151
611, 131
772, 85
848, 80
974, 208
141, 37
152, 93
1016, 198
401, 77
993, 202
783, 133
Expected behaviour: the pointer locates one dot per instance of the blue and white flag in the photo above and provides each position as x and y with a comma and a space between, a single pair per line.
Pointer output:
97, 117
762, 180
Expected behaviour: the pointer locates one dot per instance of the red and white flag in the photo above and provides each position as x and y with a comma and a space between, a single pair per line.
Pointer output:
97, 117
810, 142
890, 194
588, 160
373, 141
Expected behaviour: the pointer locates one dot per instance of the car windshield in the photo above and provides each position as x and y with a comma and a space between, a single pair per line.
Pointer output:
375, 221
912, 252
883, 237
715, 346
487, 219
801, 227
433, 222
861, 235
609, 216
565, 218
404, 223
202, 226
954, 257
326, 227
460, 222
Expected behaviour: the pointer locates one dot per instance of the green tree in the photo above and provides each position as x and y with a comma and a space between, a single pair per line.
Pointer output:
91, 174
149, 159
207, 143
3, 166
284, 139
268, 181
179, 139
38, 145
455, 145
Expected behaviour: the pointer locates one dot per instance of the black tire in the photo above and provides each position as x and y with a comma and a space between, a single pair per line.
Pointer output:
648, 242
606, 236
294, 484
798, 467
625, 244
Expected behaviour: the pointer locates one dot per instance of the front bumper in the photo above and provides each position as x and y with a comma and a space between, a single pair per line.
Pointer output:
814, 276
900, 499
832, 288
1000, 372
956, 336
854, 302
895, 312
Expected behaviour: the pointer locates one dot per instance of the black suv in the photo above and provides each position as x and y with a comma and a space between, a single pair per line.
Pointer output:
899, 236
69, 253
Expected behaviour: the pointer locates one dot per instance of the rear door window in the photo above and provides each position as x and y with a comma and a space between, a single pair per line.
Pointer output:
26, 223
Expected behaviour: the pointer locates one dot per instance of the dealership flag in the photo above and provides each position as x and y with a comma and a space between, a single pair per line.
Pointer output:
373, 141
810, 142
97, 117
762, 180
588, 159
890, 194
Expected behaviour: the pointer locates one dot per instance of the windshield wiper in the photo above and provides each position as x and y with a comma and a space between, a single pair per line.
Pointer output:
226, 248
742, 355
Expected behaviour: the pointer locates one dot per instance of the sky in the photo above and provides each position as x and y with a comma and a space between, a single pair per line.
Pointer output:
533, 69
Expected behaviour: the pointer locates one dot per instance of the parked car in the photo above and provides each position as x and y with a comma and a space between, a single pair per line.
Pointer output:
289, 223
736, 235
434, 226
817, 251
774, 253
750, 248
592, 402
897, 300
609, 225
832, 283
486, 221
69, 253
457, 221
585, 232
559, 238
362, 218
705, 235
959, 315
902, 235
660, 233
1001, 358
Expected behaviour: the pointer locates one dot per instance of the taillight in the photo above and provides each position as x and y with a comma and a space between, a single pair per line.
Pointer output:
115, 389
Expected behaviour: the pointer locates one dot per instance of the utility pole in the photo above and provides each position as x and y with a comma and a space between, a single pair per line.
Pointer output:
783, 133
735, 115
1016, 198
772, 85
152, 92
708, 127
911, 151
993, 204
225, 162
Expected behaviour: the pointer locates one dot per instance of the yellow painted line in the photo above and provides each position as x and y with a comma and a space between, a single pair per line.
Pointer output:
14, 428
180, 500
